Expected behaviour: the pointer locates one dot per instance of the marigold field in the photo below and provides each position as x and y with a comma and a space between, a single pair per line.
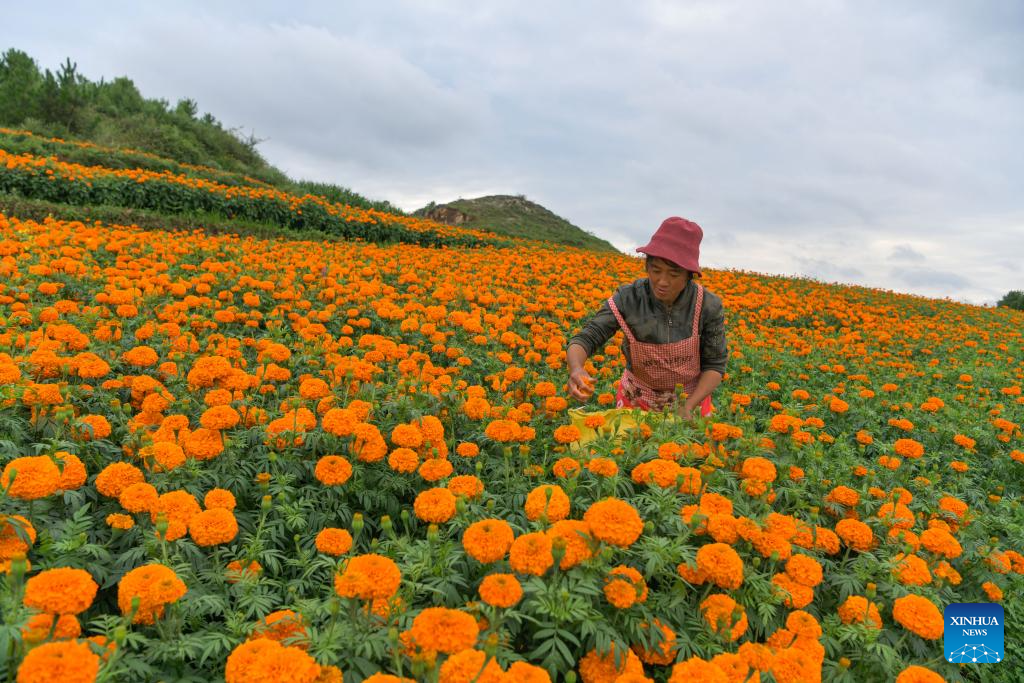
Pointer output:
240, 459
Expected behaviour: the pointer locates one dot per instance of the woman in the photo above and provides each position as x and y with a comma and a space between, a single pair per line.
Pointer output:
674, 328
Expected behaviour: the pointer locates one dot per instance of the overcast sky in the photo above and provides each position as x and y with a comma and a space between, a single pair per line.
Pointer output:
874, 142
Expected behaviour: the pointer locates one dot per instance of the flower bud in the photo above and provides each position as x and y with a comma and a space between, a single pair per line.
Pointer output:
357, 522
266, 502
558, 549
161, 525
432, 534
387, 526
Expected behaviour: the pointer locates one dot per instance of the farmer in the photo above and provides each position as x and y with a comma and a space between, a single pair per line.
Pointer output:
674, 328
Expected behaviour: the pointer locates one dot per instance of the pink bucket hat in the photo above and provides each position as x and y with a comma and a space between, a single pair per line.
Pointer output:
677, 240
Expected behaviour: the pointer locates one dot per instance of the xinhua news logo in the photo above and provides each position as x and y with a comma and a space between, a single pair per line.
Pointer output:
973, 633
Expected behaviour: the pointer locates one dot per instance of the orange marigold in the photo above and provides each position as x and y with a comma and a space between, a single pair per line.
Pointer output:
333, 470
549, 501
30, 478
918, 615
155, 585
598, 668
919, 674
614, 521
856, 534
61, 591
435, 505
804, 570
262, 660
213, 527
70, 661
576, 536
531, 554
501, 590
697, 669
444, 630
466, 485
720, 564
723, 614
488, 540
368, 577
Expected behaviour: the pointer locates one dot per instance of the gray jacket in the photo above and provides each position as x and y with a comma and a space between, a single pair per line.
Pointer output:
651, 321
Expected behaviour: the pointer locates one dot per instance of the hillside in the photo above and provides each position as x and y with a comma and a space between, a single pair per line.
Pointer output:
515, 216
114, 115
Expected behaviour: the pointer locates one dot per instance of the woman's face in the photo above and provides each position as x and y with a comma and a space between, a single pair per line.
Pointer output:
667, 279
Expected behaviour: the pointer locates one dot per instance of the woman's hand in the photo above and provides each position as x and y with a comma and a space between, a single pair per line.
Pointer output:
581, 384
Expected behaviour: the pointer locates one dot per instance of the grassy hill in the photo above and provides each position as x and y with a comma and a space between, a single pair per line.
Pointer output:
126, 129
515, 216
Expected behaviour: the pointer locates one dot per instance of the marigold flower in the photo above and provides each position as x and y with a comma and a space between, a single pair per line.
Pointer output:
723, 614
759, 468
73, 474
263, 660
856, 534
333, 470
219, 417
565, 468
61, 591
576, 536
219, 498
444, 630
30, 478
859, 610
116, 477
721, 565
404, 460
167, 455
804, 570
94, 427
697, 669
598, 668
794, 595
155, 585
119, 521
435, 505
466, 485
471, 666
531, 554
614, 521
548, 500
908, 448
213, 527
368, 577
488, 540
435, 469
567, 434
660, 472
141, 497
467, 449
39, 627
203, 444
620, 593
918, 615
282, 625
918, 674
179, 507
501, 590
70, 661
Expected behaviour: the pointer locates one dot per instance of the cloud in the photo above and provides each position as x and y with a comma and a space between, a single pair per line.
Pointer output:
930, 278
905, 252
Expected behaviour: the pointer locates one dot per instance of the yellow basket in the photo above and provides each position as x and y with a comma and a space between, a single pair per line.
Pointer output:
619, 423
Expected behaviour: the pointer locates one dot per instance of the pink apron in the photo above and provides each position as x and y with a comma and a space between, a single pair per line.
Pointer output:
658, 368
